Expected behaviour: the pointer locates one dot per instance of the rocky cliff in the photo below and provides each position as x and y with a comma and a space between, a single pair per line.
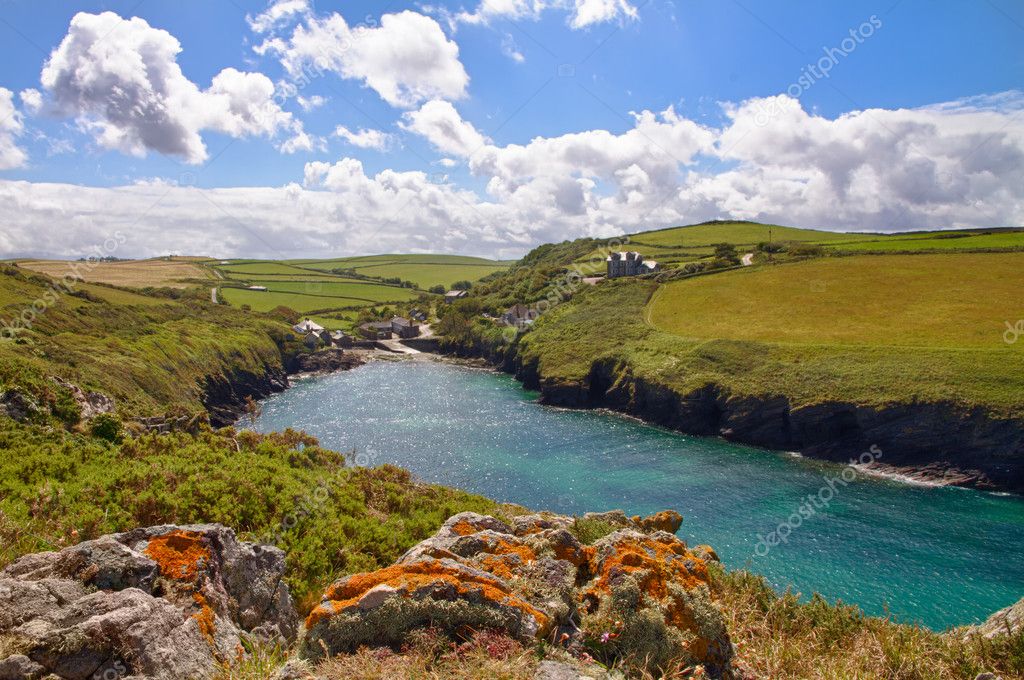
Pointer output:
941, 443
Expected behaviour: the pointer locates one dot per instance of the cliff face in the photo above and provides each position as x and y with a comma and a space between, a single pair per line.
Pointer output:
224, 395
932, 442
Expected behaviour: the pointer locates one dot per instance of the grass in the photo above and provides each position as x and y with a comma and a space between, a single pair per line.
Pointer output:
605, 322
679, 245
781, 637
58, 487
155, 273
425, 271
261, 301
936, 301
150, 358
356, 290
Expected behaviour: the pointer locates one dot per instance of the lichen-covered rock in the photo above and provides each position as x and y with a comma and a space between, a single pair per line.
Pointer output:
161, 602
658, 592
666, 520
535, 579
381, 607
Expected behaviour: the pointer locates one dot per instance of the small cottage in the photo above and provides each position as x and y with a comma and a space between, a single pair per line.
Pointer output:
453, 295
376, 330
307, 327
519, 315
404, 328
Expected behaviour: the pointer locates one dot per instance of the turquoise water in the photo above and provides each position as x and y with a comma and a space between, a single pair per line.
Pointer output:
940, 557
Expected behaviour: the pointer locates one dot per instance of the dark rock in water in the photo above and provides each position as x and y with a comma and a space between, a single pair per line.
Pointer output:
325, 361
160, 602
224, 396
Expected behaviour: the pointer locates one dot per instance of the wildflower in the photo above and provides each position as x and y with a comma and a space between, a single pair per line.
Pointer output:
605, 637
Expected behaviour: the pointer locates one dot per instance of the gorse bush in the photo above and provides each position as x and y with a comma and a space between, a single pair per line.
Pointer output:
57, 488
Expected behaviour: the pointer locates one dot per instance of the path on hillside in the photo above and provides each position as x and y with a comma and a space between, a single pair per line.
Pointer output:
747, 259
213, 295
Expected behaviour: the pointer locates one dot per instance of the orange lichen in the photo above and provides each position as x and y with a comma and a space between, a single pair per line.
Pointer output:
406, 579
179, 554
464, 528
205, 618
653, 563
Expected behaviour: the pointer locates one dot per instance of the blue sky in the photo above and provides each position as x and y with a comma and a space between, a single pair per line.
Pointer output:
922, 78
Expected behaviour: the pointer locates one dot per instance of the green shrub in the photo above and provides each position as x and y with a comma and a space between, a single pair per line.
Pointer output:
106, 426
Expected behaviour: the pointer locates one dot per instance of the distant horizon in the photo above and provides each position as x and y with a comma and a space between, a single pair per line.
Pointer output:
75, 258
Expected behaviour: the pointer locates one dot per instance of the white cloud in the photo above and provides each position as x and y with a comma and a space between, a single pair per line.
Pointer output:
581, 13
279, 12
442, 126
511, 50
11, 126
406, 59
32, 100
121, 81
365, 139
310, 103
945, 166
589, 12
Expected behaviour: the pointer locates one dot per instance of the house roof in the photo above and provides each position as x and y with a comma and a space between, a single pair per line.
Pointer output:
307, 326
455, 293
378, 325
402, 321
622, 255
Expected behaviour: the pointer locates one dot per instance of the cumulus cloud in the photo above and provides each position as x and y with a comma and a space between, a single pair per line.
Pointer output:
11, 126
120, 79
32, 100
310, 103
442, 126
406, 59
279, 12
365, 139
580, 13
954, 165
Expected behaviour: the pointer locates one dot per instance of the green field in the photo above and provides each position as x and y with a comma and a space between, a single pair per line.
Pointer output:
265, 301
959, 300
680, 245
423, 270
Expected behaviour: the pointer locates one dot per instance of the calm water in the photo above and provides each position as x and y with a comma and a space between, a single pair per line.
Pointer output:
941, 557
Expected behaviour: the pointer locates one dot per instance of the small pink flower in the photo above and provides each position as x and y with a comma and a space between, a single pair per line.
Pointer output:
605, 637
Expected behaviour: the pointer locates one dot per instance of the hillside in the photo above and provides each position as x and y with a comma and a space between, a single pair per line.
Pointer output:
69, 476
815, 351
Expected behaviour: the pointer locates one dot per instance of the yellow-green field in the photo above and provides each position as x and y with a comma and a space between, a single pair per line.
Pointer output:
680, 245
425, 271
158, 273
961, 300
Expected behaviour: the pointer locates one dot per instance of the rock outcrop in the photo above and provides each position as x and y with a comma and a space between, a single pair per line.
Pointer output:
325, 361
638, 593
159, 602
1009, 621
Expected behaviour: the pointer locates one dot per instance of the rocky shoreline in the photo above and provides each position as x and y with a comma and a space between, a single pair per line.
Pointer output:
939, 444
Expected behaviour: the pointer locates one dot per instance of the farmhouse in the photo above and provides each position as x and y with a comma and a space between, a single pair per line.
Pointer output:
376, 330
404, 328
630, 263
307, 327
453, 295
